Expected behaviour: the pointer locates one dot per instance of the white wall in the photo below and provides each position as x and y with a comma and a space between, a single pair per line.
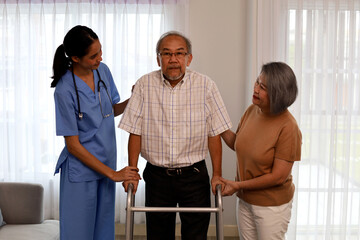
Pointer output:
218, 34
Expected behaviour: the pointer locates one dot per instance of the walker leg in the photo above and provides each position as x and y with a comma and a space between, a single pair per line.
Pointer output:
129, 225
219, 214
130, 209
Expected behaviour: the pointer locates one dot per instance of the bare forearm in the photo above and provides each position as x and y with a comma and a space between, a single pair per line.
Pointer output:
229, 138
215, 150
134, 148
280, 173
120, 107
81, 153
263, 182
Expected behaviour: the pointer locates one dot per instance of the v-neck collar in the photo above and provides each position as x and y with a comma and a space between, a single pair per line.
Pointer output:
83, 87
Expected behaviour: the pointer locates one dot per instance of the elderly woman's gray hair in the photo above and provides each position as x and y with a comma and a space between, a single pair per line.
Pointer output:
174, 33
281, 85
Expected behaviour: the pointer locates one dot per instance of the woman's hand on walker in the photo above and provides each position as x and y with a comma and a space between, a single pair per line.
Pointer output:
230, 187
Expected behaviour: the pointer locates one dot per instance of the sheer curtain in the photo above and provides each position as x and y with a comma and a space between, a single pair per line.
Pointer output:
30, 31
320, 39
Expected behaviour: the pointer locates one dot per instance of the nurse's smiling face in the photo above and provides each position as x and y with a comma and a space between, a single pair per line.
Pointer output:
92, 59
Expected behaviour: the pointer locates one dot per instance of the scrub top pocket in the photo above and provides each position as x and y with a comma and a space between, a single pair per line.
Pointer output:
105, 102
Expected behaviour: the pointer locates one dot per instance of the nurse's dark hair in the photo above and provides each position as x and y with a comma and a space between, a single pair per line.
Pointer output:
174, 33
76, 43
281, 86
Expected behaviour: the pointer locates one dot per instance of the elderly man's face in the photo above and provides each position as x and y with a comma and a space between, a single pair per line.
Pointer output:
173, 58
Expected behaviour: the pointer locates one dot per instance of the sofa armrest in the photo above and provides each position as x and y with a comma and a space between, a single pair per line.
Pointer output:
21, 203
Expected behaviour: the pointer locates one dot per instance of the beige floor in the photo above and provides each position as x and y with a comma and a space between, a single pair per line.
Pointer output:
140, 232
177, 238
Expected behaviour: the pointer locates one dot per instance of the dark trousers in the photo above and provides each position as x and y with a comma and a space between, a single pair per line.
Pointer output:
187, 187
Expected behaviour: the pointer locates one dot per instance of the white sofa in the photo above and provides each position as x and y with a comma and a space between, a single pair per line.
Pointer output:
22, 208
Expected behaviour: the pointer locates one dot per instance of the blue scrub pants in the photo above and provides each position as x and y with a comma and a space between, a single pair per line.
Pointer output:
87, 209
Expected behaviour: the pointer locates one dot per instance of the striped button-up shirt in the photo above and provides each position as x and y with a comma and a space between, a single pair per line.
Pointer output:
175, 123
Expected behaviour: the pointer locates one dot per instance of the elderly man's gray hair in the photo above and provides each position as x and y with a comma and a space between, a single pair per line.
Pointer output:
174, 33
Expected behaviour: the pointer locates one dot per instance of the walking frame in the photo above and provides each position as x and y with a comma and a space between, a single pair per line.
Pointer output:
130, 209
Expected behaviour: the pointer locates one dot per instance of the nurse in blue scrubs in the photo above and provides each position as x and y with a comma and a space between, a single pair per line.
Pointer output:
86, 102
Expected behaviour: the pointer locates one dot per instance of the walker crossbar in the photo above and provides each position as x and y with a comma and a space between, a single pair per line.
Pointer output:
130, 209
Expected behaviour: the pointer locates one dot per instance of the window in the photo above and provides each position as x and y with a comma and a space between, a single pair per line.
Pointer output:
30, 32
323, 46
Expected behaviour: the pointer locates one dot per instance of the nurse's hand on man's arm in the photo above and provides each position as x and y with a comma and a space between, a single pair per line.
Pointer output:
126, 174
119, 108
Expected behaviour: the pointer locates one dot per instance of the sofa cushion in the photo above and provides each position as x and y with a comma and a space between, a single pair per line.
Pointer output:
1, 219
21, 203
48, 230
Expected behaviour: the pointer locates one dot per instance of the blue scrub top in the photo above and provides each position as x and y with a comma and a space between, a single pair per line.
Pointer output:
96, 133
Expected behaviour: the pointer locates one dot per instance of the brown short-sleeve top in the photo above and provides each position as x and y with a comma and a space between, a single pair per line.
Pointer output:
260, 138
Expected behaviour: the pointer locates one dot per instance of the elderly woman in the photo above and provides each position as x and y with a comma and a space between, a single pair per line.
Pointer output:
267, 142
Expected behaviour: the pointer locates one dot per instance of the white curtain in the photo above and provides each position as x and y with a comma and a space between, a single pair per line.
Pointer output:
320, 40
30, 31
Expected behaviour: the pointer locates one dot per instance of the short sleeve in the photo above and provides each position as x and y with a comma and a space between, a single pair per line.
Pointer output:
131, 120
288, 145
244, 116
115, 97
219, 120
66, 123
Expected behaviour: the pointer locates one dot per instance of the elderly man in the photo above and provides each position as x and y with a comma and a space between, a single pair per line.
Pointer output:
174, 117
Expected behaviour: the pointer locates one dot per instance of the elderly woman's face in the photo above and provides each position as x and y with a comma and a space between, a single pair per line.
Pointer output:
260, 95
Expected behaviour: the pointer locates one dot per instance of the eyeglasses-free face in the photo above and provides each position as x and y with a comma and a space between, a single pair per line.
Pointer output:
173, 58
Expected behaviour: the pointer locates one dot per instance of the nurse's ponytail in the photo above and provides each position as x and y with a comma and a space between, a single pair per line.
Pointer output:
60, 65
76, 44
